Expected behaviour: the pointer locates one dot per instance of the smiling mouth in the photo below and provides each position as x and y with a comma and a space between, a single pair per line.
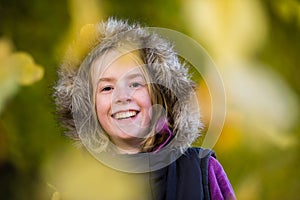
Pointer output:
124, 115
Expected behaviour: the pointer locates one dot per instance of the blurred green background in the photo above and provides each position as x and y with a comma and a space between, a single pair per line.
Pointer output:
255, 45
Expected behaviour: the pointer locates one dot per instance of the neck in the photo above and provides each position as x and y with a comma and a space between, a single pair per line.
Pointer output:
128, 151
131, 146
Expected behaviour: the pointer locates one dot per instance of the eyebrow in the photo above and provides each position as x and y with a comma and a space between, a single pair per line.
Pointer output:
106, 79
130, 76
135, 75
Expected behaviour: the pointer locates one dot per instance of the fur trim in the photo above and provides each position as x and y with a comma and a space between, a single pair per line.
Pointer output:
73, 93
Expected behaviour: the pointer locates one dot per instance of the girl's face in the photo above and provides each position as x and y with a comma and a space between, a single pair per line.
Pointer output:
123, 103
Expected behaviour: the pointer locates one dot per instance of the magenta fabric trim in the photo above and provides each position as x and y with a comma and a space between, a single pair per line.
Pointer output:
161, 127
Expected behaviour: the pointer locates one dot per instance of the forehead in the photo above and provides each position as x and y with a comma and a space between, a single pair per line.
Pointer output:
114, 64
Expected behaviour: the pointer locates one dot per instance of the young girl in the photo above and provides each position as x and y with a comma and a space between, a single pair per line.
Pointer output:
131, 98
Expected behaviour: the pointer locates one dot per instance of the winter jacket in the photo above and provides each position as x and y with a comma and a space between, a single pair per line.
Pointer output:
194, 175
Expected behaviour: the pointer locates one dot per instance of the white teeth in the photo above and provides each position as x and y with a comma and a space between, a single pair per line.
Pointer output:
124, 115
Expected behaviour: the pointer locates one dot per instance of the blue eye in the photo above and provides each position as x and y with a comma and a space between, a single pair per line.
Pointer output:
135, 85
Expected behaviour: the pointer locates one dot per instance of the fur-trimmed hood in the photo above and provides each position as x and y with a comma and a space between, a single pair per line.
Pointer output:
73, 93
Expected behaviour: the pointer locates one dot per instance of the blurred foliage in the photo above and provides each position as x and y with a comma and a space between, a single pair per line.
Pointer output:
30, 139
16, 69
28, 131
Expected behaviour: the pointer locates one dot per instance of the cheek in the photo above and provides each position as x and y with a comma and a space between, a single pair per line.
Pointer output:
145, 101
102, 107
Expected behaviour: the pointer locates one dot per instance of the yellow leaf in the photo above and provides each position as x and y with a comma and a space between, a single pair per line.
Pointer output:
87, 39
8, 75
55, 196
15, 69
87, 32
28, 71
5, 48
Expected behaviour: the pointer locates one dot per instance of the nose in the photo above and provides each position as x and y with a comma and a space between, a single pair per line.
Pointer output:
122, 95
